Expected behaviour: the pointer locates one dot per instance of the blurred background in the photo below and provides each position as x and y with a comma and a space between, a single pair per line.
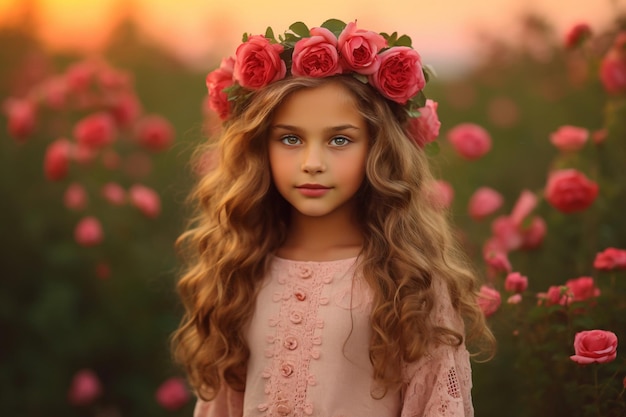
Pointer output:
87, 298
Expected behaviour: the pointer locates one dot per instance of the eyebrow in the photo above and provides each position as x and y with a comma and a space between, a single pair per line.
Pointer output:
330, 129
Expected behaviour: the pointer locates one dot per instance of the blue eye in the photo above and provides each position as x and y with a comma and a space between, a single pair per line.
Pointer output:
290, 140
340, 141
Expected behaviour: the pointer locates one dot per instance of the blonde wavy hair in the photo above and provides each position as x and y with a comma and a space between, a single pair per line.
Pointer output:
241, 220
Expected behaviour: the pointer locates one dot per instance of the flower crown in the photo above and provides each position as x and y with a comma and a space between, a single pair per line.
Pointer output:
387, 62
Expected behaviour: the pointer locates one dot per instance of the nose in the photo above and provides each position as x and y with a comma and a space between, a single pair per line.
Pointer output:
313, 160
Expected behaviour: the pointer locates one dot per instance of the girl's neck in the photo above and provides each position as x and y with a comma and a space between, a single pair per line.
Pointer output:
328, 238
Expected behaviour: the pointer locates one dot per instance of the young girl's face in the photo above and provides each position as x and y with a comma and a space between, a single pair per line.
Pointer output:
318, 145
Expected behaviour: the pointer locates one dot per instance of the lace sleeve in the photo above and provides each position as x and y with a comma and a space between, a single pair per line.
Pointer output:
439, 384
227, 403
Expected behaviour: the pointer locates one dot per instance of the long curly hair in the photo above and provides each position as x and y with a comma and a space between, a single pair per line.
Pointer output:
241, 220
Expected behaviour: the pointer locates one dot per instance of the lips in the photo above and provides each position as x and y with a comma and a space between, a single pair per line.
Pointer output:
313, 187
313, 190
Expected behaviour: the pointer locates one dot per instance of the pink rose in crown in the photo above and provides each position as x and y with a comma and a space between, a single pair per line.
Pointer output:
591, 346
425, 128
154, 132
172, 394
569, 190
470, 140
258, 63
610, 259
483, 202
489, 300
216, 82
95, 131
400, 76
359, 49
569, 138
316, 56
57, 159
145, 199
88, 232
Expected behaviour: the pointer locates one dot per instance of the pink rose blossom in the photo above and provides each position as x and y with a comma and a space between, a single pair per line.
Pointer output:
316, 56
515, 282
556, 294
489, 300
514, 299
79, 76
21, 115
591, 346
425, 128
506, 233
400, 76
113, 193
599, 136
359, 49
96, 130
75, 197
613, 67
85, 388
172, 394
610, 259
569, 138
216, 82
440, 193
154, 132
498, 262
525, 204
146, 200
54, 92
569, 190
470, 140
533, 235
577, 34
88, 232
258, 63
57, 159
483, 202
582, 288
125, 108
83, 154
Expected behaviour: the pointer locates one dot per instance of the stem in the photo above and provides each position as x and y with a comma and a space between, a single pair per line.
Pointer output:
597, 393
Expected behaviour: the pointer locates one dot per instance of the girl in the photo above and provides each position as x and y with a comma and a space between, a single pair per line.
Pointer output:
323, 278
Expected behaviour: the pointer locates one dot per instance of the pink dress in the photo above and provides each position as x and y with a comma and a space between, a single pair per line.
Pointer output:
309, 339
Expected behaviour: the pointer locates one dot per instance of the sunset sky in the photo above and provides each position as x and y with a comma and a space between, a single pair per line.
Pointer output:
442, 30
